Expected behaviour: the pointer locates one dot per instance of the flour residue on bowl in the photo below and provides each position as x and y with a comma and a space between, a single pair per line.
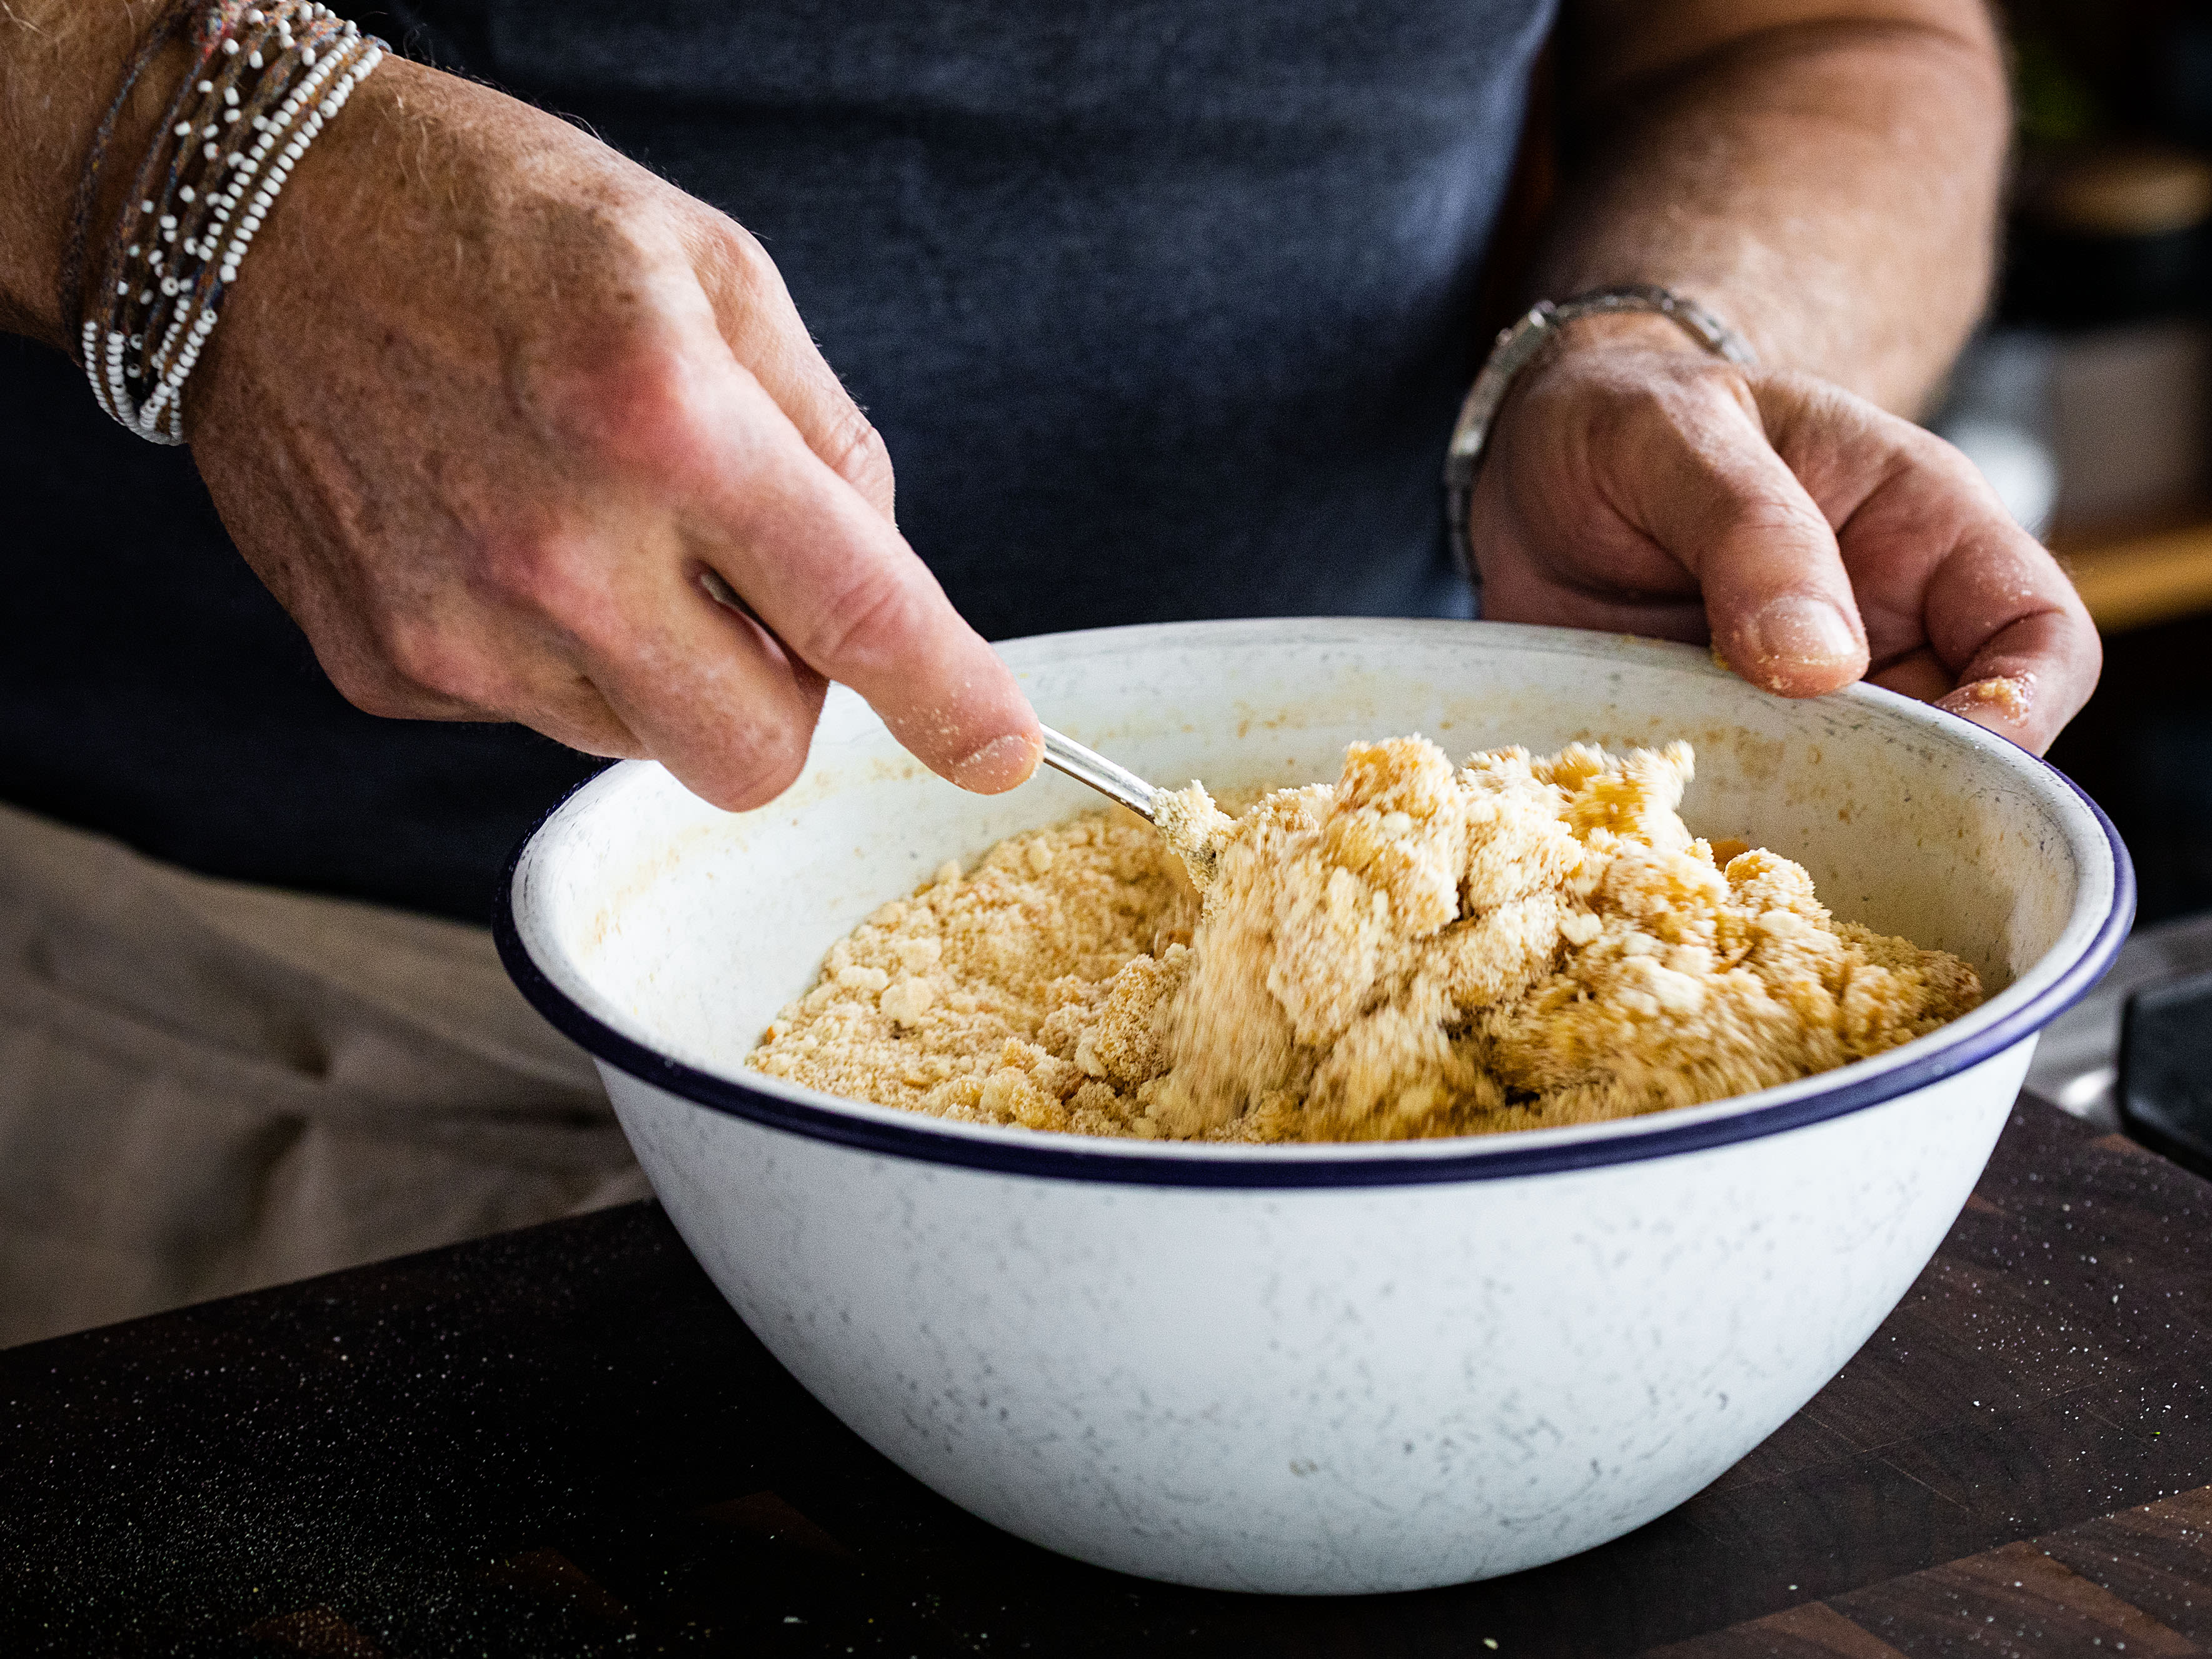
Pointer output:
1417, 949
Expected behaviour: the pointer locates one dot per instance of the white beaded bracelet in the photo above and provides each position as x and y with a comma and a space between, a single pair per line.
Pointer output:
264, 85
174, 364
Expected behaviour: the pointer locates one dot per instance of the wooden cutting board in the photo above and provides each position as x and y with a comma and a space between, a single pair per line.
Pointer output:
561, 1441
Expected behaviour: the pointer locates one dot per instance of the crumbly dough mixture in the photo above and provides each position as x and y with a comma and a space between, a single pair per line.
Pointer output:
1416, 950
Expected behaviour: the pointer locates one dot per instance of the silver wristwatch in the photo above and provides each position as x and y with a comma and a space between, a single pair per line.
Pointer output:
1517, 346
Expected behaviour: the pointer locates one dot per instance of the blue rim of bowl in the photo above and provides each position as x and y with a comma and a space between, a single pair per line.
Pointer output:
1489, 1158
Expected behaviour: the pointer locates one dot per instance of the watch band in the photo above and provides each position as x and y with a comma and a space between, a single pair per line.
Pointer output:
1518, 345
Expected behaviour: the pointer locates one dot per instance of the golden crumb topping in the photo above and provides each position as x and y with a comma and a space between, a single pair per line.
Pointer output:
1414, 951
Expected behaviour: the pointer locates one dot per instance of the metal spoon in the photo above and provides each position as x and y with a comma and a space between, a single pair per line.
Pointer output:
1064, 754
1194, 845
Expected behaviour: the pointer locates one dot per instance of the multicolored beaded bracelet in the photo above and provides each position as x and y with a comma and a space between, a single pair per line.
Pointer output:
263, 83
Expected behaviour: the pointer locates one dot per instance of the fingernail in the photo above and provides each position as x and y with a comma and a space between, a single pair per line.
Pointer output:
1799, 628
2009, 697
999, 765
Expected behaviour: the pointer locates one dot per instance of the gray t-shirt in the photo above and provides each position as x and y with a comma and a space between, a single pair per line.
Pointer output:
1162, 307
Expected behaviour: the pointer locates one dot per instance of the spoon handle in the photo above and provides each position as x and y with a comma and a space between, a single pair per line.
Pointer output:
1087, 765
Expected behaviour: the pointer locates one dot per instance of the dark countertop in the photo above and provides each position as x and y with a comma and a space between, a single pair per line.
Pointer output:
561, 1441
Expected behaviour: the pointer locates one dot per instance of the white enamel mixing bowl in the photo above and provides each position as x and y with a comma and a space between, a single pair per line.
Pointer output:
1320, 1369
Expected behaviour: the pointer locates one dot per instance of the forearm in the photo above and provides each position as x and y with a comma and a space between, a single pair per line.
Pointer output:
1828, 184
61, 61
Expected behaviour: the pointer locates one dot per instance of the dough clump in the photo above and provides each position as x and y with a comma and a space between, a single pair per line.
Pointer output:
1414, 951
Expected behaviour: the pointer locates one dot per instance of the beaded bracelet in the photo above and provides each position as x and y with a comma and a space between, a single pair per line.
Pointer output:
172, 22
132, 320
197, 220
210, 245
263, 83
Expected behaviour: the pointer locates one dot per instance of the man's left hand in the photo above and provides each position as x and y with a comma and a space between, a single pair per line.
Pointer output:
1635, 483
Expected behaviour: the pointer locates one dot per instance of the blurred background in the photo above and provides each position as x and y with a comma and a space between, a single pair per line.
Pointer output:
2087, 398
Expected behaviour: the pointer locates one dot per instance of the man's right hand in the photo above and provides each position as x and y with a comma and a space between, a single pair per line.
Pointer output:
488, 401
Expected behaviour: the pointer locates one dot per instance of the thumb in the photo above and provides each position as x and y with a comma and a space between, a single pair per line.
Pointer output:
1777, 598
